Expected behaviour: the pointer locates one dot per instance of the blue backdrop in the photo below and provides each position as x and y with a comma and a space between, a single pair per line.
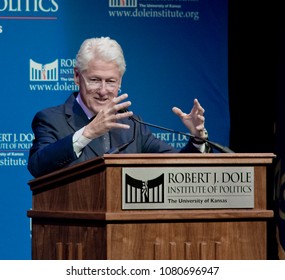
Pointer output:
176, 50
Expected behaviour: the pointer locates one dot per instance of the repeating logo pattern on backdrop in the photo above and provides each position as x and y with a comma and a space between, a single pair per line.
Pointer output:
56, 75
43, 72
123, 3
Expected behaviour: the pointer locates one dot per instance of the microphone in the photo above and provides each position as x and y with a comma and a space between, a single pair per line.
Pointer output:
220, 148
116, 150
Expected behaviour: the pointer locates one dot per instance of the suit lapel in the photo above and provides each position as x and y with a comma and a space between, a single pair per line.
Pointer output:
76, 118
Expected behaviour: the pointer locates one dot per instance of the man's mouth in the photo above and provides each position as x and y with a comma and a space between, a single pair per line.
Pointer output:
102, 99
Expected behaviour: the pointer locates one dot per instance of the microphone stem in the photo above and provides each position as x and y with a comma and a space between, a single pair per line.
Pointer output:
213, 144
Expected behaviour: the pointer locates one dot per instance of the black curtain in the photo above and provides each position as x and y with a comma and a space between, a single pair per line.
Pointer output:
254, 50
253, 43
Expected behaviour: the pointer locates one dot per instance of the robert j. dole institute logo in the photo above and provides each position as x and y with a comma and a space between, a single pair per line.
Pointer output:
43, 72
123, 3
137, 191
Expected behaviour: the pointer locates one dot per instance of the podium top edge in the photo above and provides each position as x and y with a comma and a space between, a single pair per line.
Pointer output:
157, 159
190, 155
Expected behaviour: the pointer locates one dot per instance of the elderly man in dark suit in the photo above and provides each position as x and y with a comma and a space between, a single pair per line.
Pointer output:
95, 120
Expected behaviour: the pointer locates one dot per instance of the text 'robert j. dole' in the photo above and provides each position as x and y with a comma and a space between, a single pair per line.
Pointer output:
210, 177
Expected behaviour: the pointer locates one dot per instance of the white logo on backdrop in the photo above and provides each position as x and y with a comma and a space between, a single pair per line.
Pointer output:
123, 3
43, 72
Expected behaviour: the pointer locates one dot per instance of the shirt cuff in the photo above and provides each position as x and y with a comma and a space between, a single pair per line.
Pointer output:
79, 141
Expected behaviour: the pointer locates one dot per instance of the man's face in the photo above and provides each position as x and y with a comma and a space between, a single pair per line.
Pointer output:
99, 84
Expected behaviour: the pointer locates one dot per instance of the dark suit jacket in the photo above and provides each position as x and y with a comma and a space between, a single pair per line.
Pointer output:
54, 128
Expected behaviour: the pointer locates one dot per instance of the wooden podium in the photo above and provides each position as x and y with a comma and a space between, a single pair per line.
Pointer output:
77, 214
